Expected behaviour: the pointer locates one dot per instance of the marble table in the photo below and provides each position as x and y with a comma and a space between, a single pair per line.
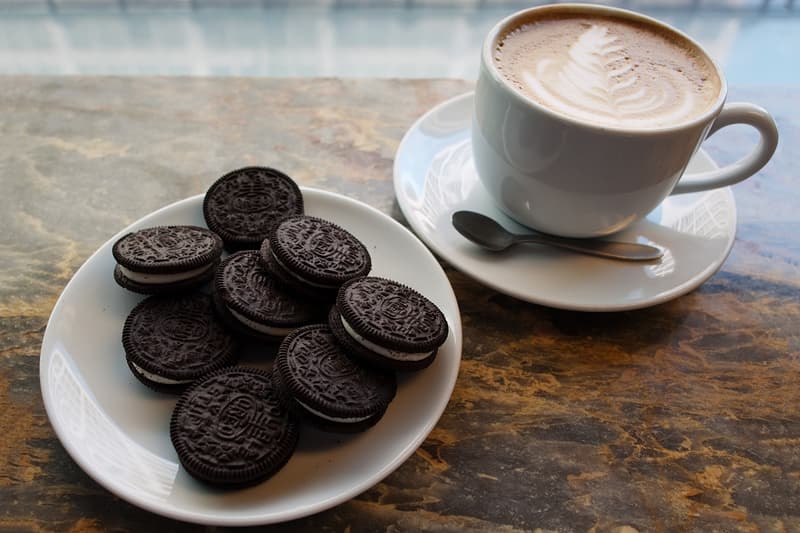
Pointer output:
683, 416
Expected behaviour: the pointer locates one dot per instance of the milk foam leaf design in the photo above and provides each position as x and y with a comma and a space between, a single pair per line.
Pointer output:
593, 66
596, 80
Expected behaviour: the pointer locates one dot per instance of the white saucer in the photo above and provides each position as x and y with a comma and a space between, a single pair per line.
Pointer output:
434, 176
117, 430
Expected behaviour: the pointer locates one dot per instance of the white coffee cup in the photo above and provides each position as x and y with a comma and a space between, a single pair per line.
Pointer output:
569, 173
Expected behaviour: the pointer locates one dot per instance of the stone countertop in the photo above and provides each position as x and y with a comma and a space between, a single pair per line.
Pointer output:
683, 416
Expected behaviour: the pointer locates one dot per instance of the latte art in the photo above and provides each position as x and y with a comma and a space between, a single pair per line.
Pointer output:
607, 71
596, 82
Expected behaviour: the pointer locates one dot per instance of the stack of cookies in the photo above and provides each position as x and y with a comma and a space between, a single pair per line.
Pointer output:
287, 278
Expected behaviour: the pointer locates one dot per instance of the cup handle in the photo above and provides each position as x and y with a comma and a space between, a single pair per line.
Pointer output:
735, 113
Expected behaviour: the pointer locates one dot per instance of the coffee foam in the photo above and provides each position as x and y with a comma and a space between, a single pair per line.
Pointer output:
608, 71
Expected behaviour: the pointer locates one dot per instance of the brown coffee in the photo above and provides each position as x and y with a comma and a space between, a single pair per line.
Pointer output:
611, 71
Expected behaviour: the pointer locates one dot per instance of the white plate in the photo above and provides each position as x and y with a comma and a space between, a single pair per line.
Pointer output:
434, 176
117, 430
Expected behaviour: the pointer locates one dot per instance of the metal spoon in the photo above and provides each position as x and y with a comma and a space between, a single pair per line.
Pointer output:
487, 233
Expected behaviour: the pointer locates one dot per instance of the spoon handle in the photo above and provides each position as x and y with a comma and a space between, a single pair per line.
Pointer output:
629, 251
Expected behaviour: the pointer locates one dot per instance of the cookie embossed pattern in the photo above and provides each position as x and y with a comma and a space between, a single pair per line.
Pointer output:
166, 258
244, 205
171, 342
314, 256
326, 386
387, 324
232, 429
252, 302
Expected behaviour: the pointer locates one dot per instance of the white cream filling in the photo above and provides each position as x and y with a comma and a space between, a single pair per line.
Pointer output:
298, 277
141, 277
159, 379
391, 354
269, 330
332, 418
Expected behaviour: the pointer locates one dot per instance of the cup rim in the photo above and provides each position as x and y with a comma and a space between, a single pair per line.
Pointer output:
487, 63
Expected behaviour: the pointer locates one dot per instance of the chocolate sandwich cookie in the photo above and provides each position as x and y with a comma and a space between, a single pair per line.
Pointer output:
328, 388
171, 341
245, 205
231, 429
314, 256
251, 302
387, 324
166, 258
